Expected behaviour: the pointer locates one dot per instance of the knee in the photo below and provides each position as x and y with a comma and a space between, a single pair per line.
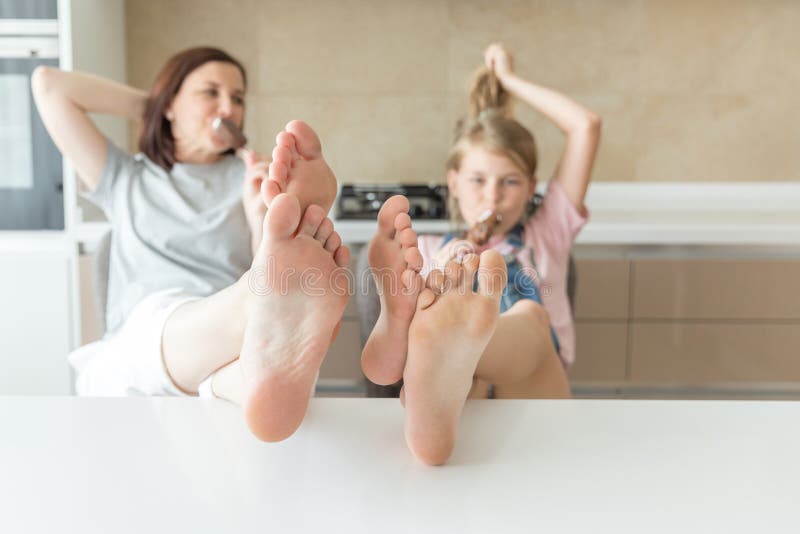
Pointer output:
533, 310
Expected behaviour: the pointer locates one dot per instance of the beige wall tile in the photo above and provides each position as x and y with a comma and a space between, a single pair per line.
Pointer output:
369, 139
602, 352
602, 289
716, 289
353, 47
733, 137
689, 91
703, 353
714, 46
571, 44
158, 29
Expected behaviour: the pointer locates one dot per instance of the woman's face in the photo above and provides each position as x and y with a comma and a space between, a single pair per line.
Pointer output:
490, 181
214, 89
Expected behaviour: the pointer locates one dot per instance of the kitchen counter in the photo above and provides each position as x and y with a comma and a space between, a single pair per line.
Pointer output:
671, 214
96, 465
620, 228
635, 228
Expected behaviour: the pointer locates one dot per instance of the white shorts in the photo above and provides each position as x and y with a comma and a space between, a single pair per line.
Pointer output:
130, 361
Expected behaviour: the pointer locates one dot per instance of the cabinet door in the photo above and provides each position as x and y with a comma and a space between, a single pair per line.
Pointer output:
34, 324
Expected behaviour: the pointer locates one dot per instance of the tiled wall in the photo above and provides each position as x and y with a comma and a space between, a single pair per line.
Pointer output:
691, 90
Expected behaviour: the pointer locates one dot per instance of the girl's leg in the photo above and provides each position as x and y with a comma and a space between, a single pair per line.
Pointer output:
446, 338
549, 381
520, 359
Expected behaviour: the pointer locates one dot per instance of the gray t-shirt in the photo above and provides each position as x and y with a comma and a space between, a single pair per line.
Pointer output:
180, 229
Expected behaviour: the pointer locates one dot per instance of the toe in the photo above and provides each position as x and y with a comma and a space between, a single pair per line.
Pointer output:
283, 217
324, 231
402, 221
307, 140
453, 274
470, 265
342, 256
413, 258
412, 281
312, 219
407, 237
435, 281
282, 154
425, 299
333, 242
287, 140
388, 213
492, 275
279, 172
269, 190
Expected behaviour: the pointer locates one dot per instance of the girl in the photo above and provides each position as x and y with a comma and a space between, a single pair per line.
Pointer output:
187, 219
491, 168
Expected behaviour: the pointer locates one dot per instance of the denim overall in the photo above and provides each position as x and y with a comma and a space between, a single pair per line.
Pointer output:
520, 284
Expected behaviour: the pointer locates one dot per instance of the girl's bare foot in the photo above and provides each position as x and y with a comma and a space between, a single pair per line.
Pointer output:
298, 292
450, 330
298, 168
395, 262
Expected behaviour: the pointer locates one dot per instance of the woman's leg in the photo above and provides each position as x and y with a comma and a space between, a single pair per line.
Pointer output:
203, 335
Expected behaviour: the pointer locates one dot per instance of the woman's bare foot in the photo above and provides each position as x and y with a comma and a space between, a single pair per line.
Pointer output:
450, 330
395, 262
298, 168
298, 292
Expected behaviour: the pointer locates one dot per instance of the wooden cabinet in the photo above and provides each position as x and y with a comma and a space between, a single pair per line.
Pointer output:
688, 324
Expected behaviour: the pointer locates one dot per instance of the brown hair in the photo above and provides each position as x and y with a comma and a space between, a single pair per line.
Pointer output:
491, 125
155, 139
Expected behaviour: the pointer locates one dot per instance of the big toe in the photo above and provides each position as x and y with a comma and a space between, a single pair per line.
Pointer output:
393, 207
307, 140
492, 274
283, 216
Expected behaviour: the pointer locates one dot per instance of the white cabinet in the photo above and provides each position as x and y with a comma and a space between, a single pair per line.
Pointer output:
35, 333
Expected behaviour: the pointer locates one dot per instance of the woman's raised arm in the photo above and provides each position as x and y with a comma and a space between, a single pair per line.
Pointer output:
64, 100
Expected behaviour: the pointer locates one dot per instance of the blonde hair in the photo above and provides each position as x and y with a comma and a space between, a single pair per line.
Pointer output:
490, 125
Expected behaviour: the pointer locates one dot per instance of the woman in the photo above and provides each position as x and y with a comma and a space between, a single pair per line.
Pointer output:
187, 218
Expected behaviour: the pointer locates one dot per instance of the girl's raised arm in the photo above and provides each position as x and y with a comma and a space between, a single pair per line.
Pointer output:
581, 126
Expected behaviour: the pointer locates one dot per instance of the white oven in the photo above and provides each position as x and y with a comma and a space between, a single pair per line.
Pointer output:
31, 178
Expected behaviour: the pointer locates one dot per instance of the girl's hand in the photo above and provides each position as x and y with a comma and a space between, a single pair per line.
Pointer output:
256, 171
499, 60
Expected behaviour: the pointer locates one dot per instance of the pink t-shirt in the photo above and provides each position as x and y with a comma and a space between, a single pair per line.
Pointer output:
549, 234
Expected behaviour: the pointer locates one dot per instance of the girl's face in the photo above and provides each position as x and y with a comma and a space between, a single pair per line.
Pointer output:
490, 181
214, 89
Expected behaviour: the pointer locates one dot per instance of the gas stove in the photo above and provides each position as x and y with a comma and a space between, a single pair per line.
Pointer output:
362, 201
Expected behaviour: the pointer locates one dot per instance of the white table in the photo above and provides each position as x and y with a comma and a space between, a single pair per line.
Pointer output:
189, 465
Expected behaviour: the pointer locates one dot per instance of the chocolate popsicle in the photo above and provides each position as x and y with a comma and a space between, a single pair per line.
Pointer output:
227, 131
483, 228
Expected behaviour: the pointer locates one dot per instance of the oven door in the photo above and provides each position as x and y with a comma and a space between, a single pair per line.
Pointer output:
31, 181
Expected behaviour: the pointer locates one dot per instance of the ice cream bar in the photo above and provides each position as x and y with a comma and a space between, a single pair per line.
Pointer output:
483, 228
226, 130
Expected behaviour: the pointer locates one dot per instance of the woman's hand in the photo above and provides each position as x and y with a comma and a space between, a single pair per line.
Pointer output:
256, 171
498, 60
